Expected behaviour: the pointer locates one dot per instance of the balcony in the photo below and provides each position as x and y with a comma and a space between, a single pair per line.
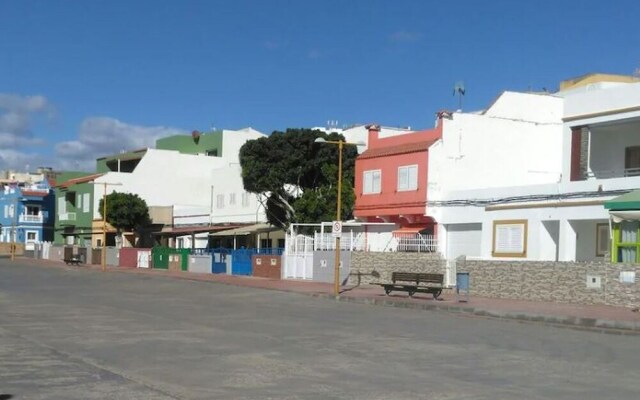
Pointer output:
37, 219
70, 216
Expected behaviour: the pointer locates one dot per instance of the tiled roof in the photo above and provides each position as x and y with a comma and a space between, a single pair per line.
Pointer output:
82, 179
397, 149
35, 193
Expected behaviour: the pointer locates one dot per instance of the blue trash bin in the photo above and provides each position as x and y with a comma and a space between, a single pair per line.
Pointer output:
462, 285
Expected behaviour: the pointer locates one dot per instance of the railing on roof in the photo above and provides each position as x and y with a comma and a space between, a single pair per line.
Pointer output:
70, 216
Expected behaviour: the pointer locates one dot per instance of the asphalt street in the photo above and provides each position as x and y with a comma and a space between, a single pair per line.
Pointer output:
72, 333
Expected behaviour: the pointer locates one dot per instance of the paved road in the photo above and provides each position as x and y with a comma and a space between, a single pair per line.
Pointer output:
79, 334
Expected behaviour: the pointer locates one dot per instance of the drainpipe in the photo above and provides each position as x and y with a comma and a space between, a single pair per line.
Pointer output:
588, 150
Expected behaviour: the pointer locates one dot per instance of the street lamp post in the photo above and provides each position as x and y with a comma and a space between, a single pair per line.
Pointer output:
336, 267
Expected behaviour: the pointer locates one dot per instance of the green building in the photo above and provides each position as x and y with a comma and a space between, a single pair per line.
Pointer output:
209, 144
74, 208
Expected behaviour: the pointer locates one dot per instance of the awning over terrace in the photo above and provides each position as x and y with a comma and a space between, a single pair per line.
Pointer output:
246, 230
625, 207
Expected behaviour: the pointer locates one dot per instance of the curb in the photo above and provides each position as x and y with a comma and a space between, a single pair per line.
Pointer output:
578, 323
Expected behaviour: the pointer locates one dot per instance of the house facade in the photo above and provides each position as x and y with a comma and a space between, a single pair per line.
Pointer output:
542, 196
391, 179
26, 212
198, 177
75, 208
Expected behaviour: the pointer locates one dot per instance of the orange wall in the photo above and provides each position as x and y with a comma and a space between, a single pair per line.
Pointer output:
390, 202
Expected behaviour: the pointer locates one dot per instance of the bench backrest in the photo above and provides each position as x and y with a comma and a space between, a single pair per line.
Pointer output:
404, 277
417, 278
431, 278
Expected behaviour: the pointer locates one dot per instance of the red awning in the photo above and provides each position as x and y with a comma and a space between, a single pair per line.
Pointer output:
410, 229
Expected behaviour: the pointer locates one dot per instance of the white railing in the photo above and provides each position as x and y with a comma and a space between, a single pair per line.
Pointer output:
70, 216
30, 218
415, 242
612, 173
348, 241
299, 244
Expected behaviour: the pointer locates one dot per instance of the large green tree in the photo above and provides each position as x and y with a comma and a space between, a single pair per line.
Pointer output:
126, 212
296, 177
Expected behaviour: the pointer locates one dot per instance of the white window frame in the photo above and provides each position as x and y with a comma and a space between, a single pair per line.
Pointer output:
62, 205
26, 236
86, 203
370, 188
232, 199
220, 201
245, 199
409, 183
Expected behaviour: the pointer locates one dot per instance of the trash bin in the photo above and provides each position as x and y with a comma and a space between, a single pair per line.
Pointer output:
462, 286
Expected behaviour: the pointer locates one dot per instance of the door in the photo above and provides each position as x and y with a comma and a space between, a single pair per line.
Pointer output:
463, 240
241, 264
219, 260
143, 259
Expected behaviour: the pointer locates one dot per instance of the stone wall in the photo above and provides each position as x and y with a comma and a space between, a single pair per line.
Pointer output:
364, 263
562, 282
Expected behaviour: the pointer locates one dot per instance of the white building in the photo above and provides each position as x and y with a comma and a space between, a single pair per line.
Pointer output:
360, 134
527, 179
201, 189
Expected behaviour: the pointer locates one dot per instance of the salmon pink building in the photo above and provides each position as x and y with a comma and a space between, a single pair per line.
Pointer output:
391, 179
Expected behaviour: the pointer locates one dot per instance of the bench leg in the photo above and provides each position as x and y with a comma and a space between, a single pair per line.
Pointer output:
387, 291
437, 294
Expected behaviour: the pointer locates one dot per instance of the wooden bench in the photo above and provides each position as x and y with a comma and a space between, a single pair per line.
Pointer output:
74, 260
414, 282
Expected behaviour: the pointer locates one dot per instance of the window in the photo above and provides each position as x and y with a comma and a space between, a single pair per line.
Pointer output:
408, 178
32, 236
6, 211
371, 181
62, 205
33, 210
245, 199
220, 201
232, 199
86, 204
626, 242
632, 161
11, 211
602, 240
80, 202
509, 238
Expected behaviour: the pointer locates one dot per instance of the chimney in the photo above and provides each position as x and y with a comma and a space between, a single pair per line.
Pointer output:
373, 129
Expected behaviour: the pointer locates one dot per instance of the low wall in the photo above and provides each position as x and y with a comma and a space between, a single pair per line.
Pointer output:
5, 248
324, 262
561, 282
364, 263
200, 264
267, 266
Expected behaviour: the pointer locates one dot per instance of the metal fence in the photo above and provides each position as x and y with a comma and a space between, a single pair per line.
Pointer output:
415, 242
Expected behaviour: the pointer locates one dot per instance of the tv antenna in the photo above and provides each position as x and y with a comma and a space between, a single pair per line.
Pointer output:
458, 89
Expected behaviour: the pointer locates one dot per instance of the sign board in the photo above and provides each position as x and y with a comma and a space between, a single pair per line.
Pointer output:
336, 229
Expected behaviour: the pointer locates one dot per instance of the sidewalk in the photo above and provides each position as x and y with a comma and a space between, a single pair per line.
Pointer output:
607, 319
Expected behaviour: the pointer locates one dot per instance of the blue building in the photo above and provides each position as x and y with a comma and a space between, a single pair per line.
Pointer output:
27, 212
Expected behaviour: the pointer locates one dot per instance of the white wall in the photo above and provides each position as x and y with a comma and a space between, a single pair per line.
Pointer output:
232, 141
618, 101
608, 148
168, 178
517, 142
359, 134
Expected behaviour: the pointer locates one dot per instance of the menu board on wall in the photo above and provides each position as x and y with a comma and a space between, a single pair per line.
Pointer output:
510, 238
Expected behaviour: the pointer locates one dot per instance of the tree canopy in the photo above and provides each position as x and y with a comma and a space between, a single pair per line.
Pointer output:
297, 177
126, 211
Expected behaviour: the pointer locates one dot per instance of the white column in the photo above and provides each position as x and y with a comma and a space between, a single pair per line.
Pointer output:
567, 242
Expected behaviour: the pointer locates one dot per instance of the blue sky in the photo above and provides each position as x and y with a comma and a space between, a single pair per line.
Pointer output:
79, 79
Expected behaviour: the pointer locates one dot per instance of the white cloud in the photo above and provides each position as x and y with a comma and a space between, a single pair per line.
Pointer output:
103, 136
405, 36
18, 160
17, 114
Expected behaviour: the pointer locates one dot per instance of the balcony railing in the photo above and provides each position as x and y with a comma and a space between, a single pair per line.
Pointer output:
612, 173
31, 218
70, 216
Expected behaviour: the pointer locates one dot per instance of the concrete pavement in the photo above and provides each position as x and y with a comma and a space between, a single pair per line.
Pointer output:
77, 333
605, 319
